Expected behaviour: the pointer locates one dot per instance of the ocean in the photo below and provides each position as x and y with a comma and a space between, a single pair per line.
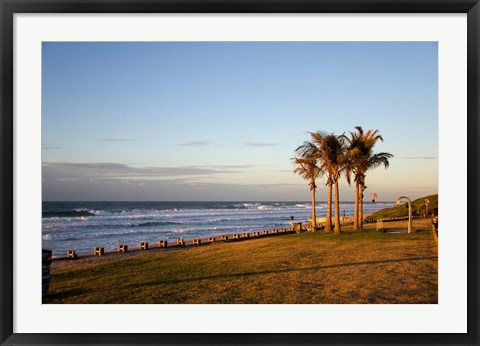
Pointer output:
81, 226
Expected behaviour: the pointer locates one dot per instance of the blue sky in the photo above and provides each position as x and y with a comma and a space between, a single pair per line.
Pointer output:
220, 120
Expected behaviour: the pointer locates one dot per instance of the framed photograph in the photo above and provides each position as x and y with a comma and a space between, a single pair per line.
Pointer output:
239, 172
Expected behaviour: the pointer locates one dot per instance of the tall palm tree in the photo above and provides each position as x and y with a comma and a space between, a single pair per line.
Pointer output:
355, 152
362, 158
306, 166
328, 218
332, 157
314, 149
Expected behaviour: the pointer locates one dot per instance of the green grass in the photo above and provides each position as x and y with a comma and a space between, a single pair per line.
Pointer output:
355, 267
418, 209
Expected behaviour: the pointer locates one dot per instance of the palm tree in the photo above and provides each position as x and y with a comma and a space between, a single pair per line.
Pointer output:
314, 149
306, 166
355, 152
332, 160
362, 159
328, 218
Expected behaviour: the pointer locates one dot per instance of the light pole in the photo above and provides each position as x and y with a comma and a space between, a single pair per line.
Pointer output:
427, 203
374, 197
409, 211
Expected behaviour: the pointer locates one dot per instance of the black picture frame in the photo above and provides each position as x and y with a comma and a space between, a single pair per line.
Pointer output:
9, 7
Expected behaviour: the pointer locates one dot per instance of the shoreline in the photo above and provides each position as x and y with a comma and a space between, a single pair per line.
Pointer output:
190, 242
345, 221
131, 223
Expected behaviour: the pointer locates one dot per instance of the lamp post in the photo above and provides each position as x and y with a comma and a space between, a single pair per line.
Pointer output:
409, 211
374, 197
427, 203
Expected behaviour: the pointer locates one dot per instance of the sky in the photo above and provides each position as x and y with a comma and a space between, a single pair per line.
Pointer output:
219, 121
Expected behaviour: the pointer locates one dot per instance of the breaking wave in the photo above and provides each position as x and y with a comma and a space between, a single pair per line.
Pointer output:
67, 213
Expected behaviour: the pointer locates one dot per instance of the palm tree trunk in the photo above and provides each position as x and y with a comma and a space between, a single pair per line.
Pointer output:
360, 206
355, 210
314, 215
337, 210
328, 219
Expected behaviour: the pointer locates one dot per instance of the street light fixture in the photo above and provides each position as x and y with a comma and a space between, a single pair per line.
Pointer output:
409, 211
427, 203
374, 197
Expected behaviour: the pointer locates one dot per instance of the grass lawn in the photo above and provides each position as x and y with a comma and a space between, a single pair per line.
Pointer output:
310, 268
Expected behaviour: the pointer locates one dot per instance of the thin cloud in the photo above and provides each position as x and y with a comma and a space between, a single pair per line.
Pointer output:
108, 170
93, 165
224, 166
418, 158
48, 147
194, 144
116, 139
259, 144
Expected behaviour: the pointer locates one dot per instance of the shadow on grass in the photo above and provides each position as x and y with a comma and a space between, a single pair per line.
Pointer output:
245, 274
56, 296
